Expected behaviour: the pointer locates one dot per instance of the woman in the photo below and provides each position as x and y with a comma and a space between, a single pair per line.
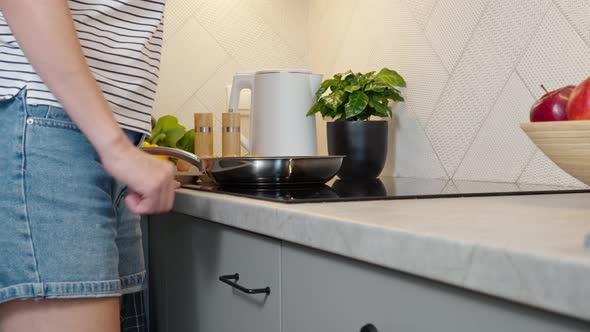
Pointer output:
77, 81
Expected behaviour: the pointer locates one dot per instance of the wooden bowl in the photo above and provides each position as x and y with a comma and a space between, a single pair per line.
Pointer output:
566, 143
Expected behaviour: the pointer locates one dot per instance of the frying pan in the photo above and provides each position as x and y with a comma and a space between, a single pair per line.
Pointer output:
260, 171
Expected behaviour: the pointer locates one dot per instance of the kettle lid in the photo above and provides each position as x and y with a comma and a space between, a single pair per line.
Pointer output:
290, 71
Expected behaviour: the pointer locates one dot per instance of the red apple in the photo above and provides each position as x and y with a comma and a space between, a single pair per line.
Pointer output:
552, 106
578, 107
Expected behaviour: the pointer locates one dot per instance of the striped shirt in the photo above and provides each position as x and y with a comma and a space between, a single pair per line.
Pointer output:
121, 40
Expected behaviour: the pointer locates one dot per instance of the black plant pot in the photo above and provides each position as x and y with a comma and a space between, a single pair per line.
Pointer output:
364, 143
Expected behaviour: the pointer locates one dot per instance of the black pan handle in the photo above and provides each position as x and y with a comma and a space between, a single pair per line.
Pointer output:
228, 280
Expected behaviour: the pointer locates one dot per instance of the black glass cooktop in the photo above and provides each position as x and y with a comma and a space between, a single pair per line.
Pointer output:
385, 188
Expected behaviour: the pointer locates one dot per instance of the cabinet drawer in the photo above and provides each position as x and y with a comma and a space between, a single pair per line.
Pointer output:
187, 258
328, 293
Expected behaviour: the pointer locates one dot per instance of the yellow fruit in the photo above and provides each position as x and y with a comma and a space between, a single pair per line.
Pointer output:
146, 144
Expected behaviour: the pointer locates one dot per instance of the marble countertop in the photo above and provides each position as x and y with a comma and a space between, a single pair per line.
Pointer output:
529, 249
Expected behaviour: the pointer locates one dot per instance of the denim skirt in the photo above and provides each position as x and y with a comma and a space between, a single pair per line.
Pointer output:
65, 231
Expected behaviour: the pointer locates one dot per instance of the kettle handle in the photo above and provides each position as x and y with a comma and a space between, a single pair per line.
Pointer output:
241, 82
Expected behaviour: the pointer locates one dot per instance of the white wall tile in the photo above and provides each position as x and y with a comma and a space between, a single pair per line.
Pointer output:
287, 18
541, 170
186, 66
318, 10
484, 187
411, 152
176, 13
270, 11
421, 10
268, 51
450, 188
185, 113
480, 76
213, 93
577, 13
501, 150
294, 26
233, 23
416, 186
542, 187
402, 46
245, 36
451, 25
329, 22
556, 57
365, 28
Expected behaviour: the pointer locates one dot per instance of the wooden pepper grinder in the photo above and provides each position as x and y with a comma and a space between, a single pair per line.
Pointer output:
204, 134
230, 135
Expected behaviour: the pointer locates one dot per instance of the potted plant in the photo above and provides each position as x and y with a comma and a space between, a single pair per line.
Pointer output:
350, 100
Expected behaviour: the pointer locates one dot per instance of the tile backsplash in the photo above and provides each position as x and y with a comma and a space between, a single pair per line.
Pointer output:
473, 68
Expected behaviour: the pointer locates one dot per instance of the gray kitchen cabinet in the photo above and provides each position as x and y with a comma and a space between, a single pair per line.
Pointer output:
187, 257
311, 290
329, 293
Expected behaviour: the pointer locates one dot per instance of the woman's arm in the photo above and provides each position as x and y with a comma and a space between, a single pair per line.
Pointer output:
45, 32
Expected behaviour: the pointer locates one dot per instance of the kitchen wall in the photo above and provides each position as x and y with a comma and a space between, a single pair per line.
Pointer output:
473, 69
207, 41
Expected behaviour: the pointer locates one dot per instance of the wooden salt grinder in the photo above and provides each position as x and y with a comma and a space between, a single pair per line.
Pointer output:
230, 134
204, 134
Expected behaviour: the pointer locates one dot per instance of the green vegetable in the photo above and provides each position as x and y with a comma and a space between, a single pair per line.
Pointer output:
187, 142
358, 96
167, 132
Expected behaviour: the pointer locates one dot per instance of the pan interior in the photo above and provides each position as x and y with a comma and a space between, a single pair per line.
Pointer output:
272, 171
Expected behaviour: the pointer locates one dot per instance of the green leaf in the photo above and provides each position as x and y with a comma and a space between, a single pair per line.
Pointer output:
390, 77
335, 99
324, 87
380, 109
187, 142
366, 78
393, 94
395, 90
325, 110
350, 78
314, 109
352, 88
354, 82
165, 123
346, 74
376, 86
167, 131
156, 139
320, 107
357, 102
173, 136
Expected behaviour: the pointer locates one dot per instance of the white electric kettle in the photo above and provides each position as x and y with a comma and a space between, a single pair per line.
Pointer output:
280, 101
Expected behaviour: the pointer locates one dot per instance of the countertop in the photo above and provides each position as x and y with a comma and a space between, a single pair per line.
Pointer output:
529, 249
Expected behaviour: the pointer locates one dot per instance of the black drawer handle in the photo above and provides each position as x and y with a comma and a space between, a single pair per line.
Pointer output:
369, 328
228, 280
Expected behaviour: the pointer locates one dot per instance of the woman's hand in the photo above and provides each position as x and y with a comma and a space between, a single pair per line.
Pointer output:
150, 180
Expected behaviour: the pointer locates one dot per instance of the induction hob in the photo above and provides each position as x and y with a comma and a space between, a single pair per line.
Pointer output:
386, 188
